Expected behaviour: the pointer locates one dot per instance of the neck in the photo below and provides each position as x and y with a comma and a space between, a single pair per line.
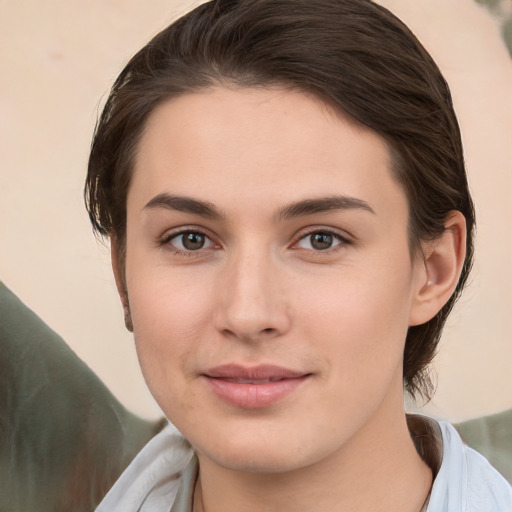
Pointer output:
379, 469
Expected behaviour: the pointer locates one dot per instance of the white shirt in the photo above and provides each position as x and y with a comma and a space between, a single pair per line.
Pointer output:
466, 482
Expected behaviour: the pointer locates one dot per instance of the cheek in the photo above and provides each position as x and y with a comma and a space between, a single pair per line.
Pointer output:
164, 339
359, 331
170, 314
361, 320
167, 304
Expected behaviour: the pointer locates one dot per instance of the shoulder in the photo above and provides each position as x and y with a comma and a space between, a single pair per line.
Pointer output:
152, 479
466, 481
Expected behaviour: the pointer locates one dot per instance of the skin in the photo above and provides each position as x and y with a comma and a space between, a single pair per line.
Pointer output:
259, 291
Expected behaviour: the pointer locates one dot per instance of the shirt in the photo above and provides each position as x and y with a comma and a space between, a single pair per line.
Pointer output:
162, 477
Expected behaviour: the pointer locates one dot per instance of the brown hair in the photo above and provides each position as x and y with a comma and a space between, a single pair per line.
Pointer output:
353, 54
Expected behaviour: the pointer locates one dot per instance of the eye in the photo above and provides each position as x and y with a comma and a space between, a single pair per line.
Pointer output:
190, 241
320, 241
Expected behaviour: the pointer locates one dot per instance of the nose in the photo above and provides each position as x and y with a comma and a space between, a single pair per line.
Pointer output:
252, 304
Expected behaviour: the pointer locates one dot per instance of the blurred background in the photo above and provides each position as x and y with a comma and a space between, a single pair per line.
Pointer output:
58, 59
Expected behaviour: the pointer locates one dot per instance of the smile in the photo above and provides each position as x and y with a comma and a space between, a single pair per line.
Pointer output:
252, 381
255, 387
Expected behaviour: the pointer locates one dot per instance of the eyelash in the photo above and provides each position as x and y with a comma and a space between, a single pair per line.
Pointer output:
342, 240
166, 241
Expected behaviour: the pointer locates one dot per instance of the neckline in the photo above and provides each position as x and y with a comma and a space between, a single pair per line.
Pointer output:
425, 434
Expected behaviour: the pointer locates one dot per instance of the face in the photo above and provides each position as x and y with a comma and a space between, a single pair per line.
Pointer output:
269, 277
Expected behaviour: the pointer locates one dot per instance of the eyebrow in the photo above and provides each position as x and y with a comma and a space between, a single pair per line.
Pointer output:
297, 209
186, 205
322, 205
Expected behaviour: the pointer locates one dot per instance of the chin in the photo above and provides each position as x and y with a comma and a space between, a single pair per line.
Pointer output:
257, 459
258, 450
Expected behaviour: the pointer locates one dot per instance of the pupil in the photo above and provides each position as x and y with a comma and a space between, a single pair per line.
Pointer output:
321, 241
193, 241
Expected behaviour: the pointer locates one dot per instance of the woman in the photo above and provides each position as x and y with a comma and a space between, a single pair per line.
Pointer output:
284, 190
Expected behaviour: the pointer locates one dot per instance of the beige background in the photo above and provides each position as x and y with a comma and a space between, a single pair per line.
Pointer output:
58, 59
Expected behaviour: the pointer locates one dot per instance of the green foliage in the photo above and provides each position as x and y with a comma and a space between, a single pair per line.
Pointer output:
501, 10
506, 30
492, 5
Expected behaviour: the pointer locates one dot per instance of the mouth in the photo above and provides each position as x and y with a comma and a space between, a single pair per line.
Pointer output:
251, 381
253, 387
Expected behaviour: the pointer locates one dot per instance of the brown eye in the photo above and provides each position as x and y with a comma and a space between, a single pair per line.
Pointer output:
193, 241
190, 241
320, 241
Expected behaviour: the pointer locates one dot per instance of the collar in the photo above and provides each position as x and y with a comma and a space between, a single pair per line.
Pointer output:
184, 500
425, 433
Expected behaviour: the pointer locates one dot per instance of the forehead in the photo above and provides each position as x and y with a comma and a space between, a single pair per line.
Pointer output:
238, 144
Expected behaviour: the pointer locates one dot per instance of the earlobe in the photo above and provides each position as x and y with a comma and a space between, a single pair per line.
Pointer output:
119, 276
442, 265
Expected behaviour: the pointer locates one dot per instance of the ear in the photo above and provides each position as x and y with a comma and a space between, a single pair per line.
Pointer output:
439, 272
119, 276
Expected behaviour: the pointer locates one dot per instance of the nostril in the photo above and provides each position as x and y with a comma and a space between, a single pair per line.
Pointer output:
269, 332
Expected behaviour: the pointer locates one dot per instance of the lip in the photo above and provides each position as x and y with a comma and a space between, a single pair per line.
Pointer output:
253, 387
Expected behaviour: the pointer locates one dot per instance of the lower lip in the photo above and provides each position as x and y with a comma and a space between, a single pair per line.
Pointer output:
254, 396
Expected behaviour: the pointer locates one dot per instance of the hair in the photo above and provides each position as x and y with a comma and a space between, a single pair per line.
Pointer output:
352, 54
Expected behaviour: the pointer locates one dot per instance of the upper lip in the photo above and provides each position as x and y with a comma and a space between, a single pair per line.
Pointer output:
260, 372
